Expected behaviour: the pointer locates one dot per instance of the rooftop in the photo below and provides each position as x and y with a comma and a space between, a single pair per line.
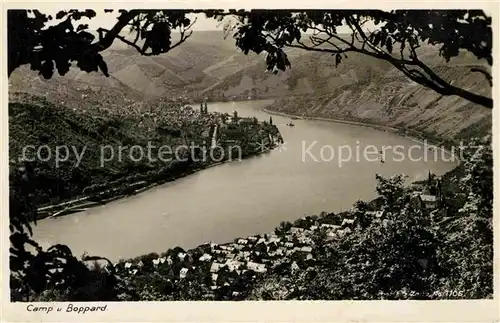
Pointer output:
427, 198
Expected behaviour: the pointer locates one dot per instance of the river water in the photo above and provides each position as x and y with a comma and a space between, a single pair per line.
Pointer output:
247, 197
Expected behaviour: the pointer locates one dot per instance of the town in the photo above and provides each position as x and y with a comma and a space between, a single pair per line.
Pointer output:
223, 271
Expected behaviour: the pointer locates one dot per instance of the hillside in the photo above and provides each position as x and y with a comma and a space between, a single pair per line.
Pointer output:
204, 60
88, 136
365, 89
361, 88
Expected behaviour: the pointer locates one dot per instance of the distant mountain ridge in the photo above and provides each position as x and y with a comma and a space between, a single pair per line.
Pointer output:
209, 66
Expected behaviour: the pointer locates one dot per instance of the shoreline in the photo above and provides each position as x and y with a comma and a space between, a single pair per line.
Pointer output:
456, 158
82, 203
44, 212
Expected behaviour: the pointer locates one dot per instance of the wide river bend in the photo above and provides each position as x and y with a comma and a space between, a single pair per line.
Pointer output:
247, 197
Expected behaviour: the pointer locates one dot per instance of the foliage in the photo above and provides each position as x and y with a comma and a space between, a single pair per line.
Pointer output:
36, 274
35, 271
467, 249
396, 39
405, 254
402, 255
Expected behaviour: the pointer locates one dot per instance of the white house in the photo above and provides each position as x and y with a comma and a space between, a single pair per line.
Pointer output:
428, 201
261, 240
332, 234
183, 273
296, 230
273, 239
306, 249
260, 268
233, 264
347, 222
239, 246
242, 241
330, 226
205, 257
294, 267
252, 239
215, 267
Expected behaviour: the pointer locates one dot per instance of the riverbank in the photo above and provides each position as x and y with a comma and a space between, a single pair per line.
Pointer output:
101, 163
84, 203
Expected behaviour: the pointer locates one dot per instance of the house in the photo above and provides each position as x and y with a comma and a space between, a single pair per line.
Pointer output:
205, 257
296, 230
305, 240
305, 233
332, 234
215, 267
257, 267
183, 273
306, 249
233, 264
347, 222
252, 239
261, 240
330, 226
294, 267
273, 239
288, 244
428, 201
314, 227
242, 241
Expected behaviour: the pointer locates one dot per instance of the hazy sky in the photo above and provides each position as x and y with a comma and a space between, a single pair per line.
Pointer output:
107, 20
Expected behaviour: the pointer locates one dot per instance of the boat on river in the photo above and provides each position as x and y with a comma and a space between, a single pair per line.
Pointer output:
290, 124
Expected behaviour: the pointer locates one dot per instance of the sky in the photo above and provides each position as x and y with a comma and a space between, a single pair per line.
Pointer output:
107, 20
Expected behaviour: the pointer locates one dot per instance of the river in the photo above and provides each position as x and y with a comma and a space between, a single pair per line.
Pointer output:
247, 197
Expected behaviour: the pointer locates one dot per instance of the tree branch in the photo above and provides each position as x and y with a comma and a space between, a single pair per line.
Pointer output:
485, 73
433, 80
106, 41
